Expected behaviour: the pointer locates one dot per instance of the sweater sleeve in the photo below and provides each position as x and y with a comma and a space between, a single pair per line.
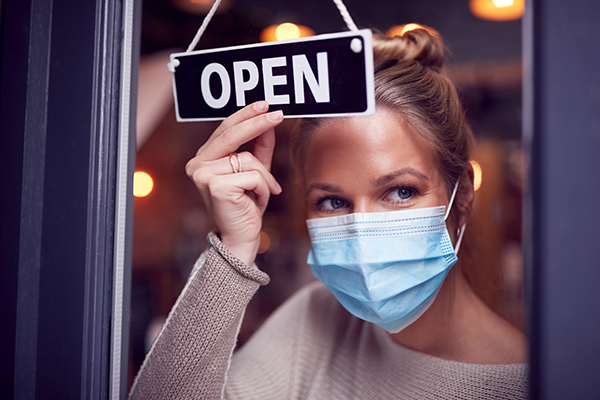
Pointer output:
191, 355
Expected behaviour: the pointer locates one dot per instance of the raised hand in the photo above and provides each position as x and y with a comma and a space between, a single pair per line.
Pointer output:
236, 201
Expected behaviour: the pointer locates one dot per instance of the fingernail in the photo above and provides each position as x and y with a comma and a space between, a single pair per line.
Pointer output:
261, 105
275, 115
278, 187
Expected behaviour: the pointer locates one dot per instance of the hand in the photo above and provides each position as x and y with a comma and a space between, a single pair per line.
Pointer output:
237, 201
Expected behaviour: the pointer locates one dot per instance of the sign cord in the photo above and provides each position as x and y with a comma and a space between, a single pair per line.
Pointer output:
345, 15
339, 3
202, 28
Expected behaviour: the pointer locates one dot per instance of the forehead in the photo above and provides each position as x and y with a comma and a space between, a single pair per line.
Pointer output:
371, 145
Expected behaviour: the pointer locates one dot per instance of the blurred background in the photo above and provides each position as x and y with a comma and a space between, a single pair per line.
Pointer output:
170, 223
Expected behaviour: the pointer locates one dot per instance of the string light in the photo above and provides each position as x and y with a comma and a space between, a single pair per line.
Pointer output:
285, 31
503, 3
400, 30
477, 174
497, 10
142, 184
199, 7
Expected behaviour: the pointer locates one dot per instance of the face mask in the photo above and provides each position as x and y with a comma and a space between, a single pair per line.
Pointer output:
385, 267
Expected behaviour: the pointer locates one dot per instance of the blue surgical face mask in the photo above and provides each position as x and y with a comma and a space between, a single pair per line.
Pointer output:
385, 267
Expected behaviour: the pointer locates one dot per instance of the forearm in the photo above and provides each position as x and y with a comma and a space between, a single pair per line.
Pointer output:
191, 356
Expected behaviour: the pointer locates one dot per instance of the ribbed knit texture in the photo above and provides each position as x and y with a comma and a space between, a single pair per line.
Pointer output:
310, 348
190, 357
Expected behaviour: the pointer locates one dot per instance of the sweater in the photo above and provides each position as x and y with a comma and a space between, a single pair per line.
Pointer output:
310, 348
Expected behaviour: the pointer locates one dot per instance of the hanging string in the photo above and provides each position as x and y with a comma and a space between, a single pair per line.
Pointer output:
339, 3
205, 23
345, 15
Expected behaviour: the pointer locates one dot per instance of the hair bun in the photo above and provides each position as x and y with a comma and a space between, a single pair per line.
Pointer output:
422, 44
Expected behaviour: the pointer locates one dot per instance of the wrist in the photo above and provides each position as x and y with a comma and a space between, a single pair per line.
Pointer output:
244, 251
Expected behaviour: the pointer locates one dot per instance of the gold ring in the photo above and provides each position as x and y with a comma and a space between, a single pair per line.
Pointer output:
237, 165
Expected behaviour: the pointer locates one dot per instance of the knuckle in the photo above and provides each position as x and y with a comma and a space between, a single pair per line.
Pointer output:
253, 174
200, 176
190, 168
247, 159
257, 176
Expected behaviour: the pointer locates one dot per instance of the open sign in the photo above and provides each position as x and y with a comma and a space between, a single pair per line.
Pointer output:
318, 76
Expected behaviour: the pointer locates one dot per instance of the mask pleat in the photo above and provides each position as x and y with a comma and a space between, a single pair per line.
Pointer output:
385, 268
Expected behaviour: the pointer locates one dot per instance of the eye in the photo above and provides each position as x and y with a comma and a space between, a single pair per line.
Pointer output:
331, 203
400, 194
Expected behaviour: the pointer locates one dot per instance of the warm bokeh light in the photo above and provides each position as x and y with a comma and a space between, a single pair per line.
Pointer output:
400, 30
285, 31
269, 240
503, 3
409, 27
265, 242
142, 184
497, 10
200, 7
478, 174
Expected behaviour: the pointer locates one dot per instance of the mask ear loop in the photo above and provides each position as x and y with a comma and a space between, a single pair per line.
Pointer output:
460, 236
462, 228
451, 200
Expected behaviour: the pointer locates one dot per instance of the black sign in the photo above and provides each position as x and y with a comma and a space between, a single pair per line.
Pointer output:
326, 75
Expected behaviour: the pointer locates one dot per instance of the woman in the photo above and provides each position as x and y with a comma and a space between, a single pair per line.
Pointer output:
388, 197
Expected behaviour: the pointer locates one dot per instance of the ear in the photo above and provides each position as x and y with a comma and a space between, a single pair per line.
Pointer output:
465, 195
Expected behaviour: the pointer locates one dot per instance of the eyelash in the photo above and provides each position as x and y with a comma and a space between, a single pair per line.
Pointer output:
319, 201
414, 192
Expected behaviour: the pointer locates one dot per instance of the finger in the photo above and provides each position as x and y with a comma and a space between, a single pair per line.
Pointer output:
250, 111
249, 162
263, 147
233, 187
261, 190
202, 171
233, 137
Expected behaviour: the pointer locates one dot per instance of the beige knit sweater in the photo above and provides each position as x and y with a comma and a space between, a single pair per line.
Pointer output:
310, 348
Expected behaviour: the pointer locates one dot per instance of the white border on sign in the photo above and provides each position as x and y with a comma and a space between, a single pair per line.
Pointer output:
367, 36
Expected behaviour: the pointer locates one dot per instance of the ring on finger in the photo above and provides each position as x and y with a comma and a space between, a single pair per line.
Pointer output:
236, 165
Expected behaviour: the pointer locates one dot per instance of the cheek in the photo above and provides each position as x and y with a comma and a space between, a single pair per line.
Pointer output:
311, 213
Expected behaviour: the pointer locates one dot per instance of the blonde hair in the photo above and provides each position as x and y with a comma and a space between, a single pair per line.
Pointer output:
410, 80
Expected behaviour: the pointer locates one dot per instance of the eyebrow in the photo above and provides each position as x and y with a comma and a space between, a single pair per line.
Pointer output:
323, 186
382, 180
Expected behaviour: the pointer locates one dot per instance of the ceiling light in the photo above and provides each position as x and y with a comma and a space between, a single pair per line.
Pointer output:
400, 30
199, 7
285, 31
497, 10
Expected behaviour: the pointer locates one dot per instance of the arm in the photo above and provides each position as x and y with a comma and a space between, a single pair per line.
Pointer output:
191, 355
